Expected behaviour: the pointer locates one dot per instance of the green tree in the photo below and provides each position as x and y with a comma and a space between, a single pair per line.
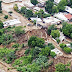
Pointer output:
62, 68
62, 45
15, 7
50, 28
34, 2
6, 17
28, 13
49, 6
53, 54
18, 31
55, 33
45, 51
67, 50
67, 29
58, 41
23, 10
35, 41
1, 24
0, 7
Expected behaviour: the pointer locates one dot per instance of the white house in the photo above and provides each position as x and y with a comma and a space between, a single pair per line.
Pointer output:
11, 22
57, 51
57, 1
68, 9
9, 1
60, 16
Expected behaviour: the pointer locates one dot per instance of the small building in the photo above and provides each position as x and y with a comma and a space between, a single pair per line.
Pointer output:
57, 1
51, 20
9, 1
68, 9
60, 16
62, 37
57, 51
68, 16
11, 22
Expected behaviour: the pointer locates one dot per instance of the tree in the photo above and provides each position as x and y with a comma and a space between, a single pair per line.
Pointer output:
23, 10
55, 33
67, 29
62, 45
50, 28
58, 41
61, 5
1, 24
67, 50
62, 68
71, 44
15, 7
53, 54
35, 41
6, 17
49, 6
45, 51
18, 31
34, 2
0, 7
28, 13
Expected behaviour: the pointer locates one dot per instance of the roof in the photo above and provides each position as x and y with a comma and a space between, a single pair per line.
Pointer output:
68, 16
11, 22
68, 9
57, 51
60, 16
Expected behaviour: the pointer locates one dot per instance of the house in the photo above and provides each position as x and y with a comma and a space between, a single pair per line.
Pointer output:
9, 1
57, 1
51, 20
68, 16
57, 51
60, 16
11, 22
68, 9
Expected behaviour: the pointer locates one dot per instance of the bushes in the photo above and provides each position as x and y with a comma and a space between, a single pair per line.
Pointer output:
6, 17
1, 24
18, 30
35, 41
45, 51
15, 45
27, 51
62, 45
58, 40
15, 7
53, 54
51, 46
34, 2
67, 50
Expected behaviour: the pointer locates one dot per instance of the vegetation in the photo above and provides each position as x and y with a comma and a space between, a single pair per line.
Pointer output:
1, 24
62, 68
34, 2
53, 54
67, 29
35, 41
0, 7
55, 33
6, 17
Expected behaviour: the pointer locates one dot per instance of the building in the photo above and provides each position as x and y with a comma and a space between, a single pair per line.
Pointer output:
9, 1
57, 51
68, 9
69, 17
57, 1
61, 16
11, 22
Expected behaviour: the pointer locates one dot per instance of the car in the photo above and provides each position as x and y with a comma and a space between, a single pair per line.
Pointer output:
29, 24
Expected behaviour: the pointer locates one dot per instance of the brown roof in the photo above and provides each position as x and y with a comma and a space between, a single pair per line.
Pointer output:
68, 16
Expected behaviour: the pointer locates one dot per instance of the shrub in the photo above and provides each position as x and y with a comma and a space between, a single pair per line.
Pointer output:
22, 46
58, 40
71, 44
15, 45
6, 17
51, 46
1, 24
35, 41
67, 50
62, 45
53, 54
27, 51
